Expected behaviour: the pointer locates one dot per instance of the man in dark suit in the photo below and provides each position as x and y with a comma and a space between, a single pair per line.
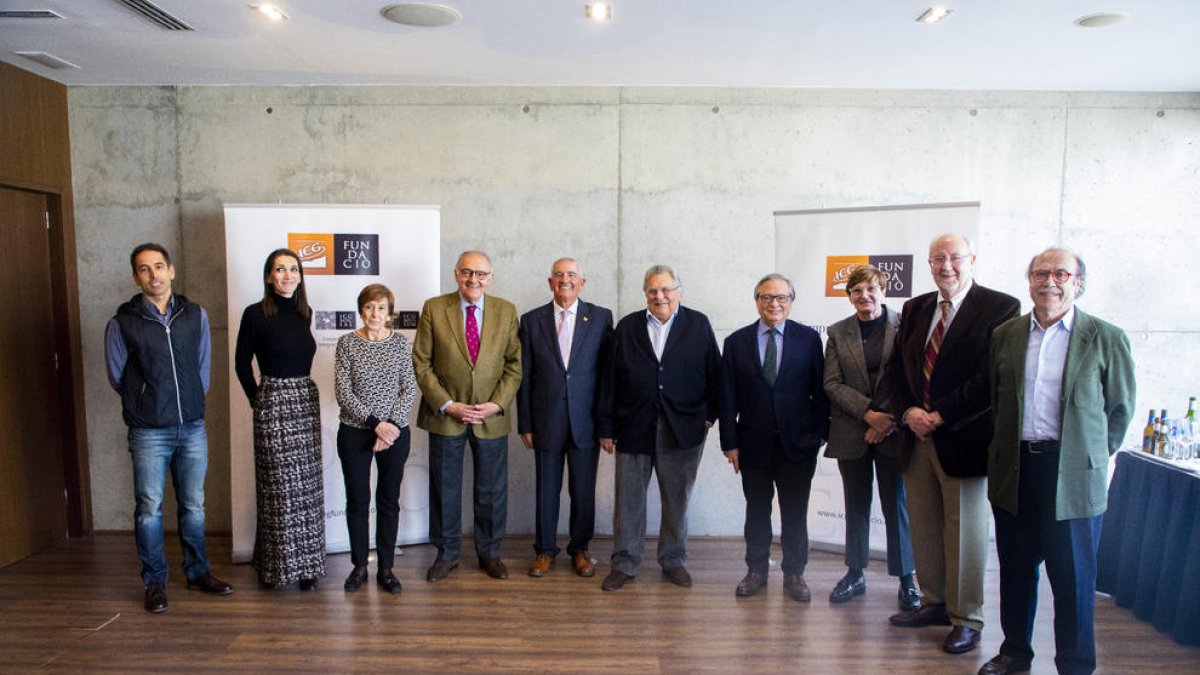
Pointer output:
774, 418
660, 393
1063, 391
935, 384
469, 368
564, 345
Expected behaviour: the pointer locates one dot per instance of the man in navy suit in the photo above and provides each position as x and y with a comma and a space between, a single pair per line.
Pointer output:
774, 419
563, 348
660, 394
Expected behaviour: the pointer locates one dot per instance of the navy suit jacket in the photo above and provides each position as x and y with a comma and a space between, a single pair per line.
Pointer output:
751, 410
684, 387
554, 400
958, 386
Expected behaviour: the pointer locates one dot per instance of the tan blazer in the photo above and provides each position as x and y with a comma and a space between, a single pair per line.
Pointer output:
444, 370
849, 388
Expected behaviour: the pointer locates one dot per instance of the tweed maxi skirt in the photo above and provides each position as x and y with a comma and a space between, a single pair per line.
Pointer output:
289, 544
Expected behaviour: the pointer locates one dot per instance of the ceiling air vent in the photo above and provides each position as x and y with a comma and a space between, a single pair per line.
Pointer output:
155, 14
29, 14
47, 59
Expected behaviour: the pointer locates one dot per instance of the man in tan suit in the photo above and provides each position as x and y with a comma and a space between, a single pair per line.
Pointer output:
467, 358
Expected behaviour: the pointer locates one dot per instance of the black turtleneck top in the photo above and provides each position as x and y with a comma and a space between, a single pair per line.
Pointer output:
283, 344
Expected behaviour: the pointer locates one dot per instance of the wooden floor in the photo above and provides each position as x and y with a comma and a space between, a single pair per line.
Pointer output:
77, 608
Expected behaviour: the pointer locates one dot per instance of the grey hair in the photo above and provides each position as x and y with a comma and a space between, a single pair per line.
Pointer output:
661, 269
572, 260
775, 276
1079, 264
479, 253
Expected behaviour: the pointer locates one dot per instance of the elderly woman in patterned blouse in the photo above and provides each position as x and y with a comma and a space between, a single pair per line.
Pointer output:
375, 388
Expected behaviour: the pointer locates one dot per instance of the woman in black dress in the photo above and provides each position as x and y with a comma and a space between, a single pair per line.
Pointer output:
289, 544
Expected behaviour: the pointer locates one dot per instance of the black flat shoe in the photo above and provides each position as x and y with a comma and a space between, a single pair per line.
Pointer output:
358, 577
308, 584
388, 582
848, 588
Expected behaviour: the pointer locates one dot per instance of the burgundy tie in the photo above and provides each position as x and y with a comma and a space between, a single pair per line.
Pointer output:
472, 334
934, 345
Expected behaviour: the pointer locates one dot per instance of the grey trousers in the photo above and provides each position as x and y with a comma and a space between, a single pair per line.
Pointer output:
675, 468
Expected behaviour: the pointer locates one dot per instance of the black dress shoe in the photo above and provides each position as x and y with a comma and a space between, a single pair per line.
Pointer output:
1003, 665
308, 584
494, 567
849, 587
679, 576
440, 569
961, 640
751, 584
209, 583
929, 615
615, 580
388, 582
908, 598
156, 598
358, 577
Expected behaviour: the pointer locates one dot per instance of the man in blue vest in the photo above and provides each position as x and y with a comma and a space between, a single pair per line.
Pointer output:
158, 350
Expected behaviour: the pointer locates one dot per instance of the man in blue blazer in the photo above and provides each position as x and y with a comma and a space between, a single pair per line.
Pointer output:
774, 419
660, 394
564, 345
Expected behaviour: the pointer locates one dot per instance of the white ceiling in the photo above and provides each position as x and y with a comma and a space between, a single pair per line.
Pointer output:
984, 44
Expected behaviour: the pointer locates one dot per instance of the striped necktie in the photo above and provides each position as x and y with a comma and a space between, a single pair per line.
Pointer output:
935, 345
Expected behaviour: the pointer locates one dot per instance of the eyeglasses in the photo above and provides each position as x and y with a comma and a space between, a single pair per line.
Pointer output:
565, 275
768, 299
1060, 276
665, 290
938, 261
478, 274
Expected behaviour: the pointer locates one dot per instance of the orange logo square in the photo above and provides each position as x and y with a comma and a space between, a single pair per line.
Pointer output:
315, 251
837, 272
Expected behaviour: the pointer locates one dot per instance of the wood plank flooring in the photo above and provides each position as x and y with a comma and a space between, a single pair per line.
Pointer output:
77, 608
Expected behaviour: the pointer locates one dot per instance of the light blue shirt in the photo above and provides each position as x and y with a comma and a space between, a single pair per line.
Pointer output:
762, 343
1045, 359
658, 332
478, 313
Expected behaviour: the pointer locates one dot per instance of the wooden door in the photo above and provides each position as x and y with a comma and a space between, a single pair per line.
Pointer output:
32, 487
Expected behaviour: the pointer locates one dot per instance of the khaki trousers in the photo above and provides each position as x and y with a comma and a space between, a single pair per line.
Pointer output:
950, 523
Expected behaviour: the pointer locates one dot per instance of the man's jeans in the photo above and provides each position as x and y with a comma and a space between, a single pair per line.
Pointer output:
183, 449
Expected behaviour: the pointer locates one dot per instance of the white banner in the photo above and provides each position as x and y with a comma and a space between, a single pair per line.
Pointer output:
342, 249
817, 250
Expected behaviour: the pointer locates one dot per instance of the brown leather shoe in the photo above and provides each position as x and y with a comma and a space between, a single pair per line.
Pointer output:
494, 567
751, 584
929, 615
615, 581
156, 598
961, 640
1002, 665
796, 589
679, 576
541, 565
209, 583
440, 569
581, 562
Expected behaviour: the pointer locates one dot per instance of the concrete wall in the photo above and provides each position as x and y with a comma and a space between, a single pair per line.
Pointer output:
623, 178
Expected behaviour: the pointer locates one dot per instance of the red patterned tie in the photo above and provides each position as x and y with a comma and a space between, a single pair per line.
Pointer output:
472, 334
934, 345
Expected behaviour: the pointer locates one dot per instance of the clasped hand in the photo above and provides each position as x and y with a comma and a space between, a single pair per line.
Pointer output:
472, 414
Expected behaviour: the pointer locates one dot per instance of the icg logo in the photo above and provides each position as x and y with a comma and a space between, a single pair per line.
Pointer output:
898, 269
336, 253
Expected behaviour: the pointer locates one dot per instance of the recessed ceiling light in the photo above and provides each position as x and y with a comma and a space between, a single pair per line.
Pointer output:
423, 14
1101, 20
934, 14
270, 11
598, 11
